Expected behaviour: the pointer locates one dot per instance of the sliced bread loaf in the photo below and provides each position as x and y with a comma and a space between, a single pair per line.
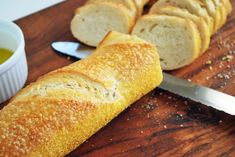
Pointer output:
177, 39
93, 21
193, 6
200, 22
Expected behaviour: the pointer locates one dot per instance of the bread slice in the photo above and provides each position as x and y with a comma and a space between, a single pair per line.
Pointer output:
200, 22
58, 112
177, 39
228, 6
221, 8
93, 21
213, 12
193, 6
129, 4
227, 9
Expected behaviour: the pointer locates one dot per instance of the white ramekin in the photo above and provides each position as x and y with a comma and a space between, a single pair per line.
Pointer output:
13, 72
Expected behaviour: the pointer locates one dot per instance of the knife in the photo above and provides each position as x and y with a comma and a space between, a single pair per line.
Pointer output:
198, 93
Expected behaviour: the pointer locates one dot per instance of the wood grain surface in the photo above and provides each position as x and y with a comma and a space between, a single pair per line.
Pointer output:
161, 123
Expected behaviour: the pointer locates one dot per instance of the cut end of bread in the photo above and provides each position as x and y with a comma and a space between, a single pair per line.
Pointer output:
202, 26
177, 40
93, 21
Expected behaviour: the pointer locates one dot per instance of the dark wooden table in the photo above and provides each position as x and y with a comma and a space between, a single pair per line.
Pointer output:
161, 123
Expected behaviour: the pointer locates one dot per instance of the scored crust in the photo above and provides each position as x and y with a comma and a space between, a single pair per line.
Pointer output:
58, 112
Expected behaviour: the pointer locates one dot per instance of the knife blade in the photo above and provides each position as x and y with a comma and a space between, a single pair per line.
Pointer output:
198, 93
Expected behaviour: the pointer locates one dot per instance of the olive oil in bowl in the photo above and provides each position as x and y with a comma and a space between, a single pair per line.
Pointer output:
5, 54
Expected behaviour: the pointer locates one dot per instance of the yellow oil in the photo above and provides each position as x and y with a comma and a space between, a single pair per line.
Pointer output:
5, 54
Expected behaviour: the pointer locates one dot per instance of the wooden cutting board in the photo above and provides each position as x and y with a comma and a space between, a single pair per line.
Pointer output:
161, 123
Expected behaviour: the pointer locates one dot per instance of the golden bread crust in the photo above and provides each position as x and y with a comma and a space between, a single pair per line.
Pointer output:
58, 112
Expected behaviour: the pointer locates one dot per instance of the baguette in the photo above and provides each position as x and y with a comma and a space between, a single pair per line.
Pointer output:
177, 39
58, 112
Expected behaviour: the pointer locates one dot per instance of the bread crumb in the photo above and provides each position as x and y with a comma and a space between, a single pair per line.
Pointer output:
231, 52
148, 106
220, 76
227, 58
226, 77
148, 116
223, 76
208, 62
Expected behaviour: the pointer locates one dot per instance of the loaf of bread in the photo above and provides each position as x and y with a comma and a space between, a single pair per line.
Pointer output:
177, 39
97, 17
63, 108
